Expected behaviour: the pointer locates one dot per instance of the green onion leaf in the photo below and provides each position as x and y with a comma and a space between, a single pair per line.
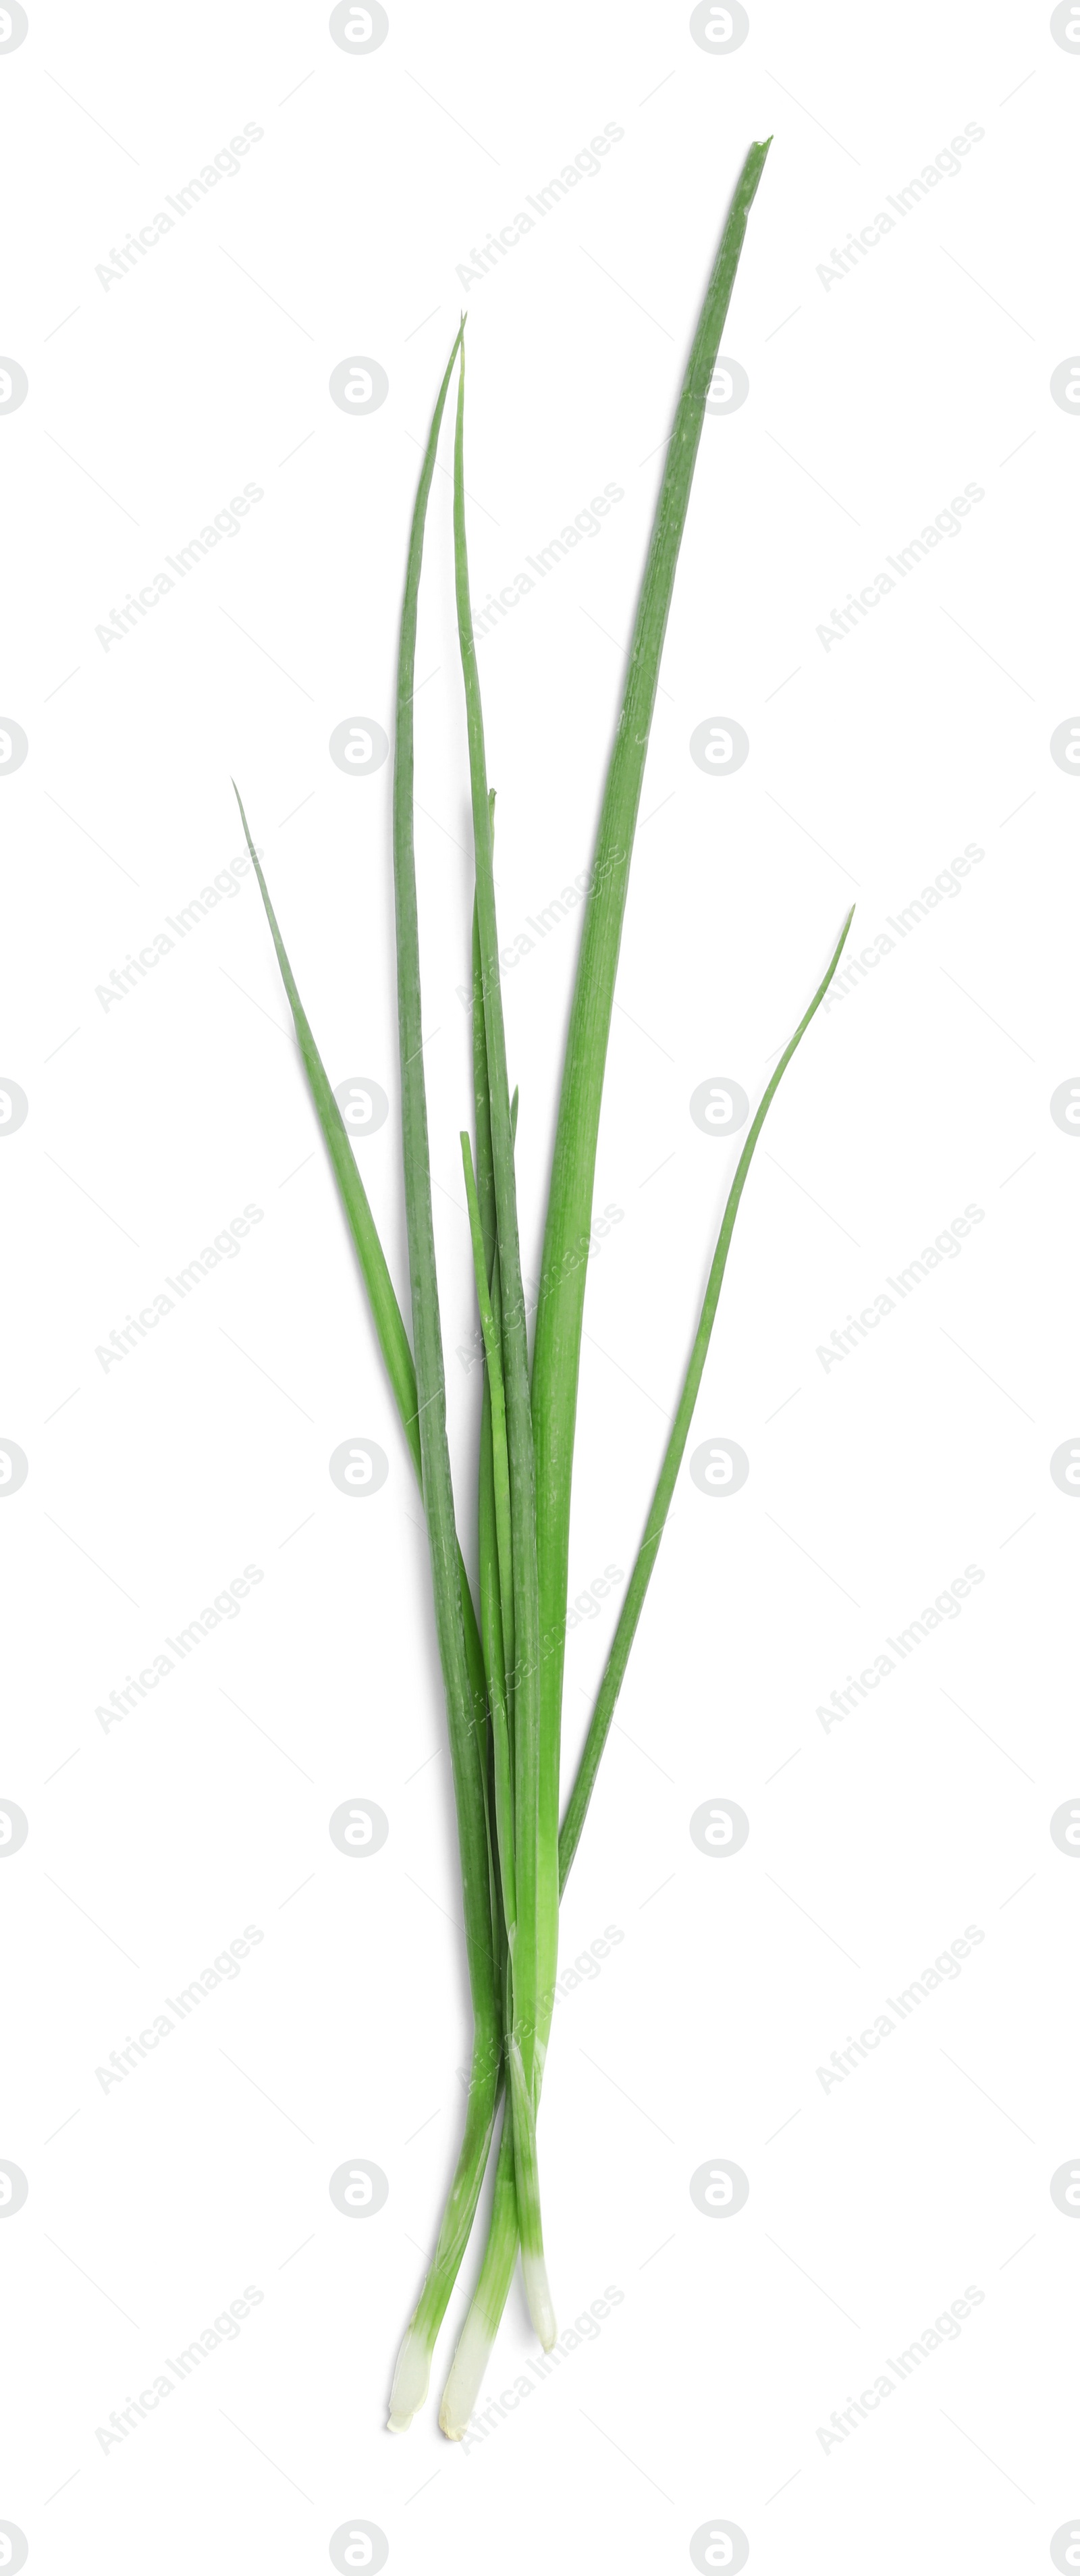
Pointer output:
467, 1763
673, 1456
536, 1808
557, 1352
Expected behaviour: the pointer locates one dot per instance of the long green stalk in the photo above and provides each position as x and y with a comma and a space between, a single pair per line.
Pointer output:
489, 2299
385, 1310
486, 1262
535, 1821
470, 1785
496, 1562
557, 1349
492, 1341
638, 1585
495, 1570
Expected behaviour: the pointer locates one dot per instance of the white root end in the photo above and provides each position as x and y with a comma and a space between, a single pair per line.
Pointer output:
466, 2375
539, 2297
410, 2381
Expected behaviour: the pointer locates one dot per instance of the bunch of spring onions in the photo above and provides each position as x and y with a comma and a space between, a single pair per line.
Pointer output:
502, 1655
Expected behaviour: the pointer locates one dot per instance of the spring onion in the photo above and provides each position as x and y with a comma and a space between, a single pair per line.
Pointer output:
502, 1673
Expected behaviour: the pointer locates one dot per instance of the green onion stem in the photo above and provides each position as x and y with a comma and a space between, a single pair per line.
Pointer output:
485, 1170
493, 1355
469, 1769
490, 2296
485, 1196
536, 1823
557, 1348
494, 1583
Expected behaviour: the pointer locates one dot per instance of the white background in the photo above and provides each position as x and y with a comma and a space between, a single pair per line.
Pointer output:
873, 1482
